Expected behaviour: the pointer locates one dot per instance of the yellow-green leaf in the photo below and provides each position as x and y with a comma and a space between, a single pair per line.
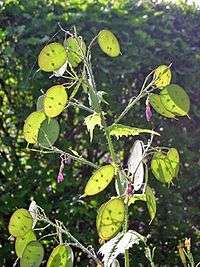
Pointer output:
174, 160
22, 241
32, 126
20, 223
151, 202
155, 101
55, 100
162, 76
91, 121
108, 43
175, 99
136, 197
99, 180
52, 57
110, 218
33, 255
165, 167
120, 130
76, 50
62, 256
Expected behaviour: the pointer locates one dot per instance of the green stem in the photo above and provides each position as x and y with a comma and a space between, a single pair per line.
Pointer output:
126, 254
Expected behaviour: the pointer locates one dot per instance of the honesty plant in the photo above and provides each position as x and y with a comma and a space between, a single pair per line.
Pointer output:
72, 61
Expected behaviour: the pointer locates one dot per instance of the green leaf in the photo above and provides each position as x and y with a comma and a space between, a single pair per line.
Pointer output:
136, 197
108, 43
165, 167
55, 100
99, 180
162, 76
52, 57
33, 255
22, 241
32, 126
120, 130
48, 132
110, 218
76, 50
62, 256
20, 223
174, 160
151, 202
91, 121
155, 101
175, 99
93, 99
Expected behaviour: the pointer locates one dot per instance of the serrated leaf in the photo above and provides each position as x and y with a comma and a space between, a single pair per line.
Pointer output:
93, 99
33, 255
22, 241
108, 43
20, 223
99, 180
162, 76
91, 121
120, 130
136, 197
110, 218
151, 202
48, 132
155, 101
175, 99
32, 125
117, 245
52, 57
55, 100
62, 256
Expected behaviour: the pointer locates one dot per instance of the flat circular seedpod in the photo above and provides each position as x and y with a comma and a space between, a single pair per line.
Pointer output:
175, 99
99, 180
108, 43
76, 50
32, 125
48, 132
61, 256
135, 164
55, 100
155, 101
33, 255
110, 218
162, 76
52, 57
22, 241
40, 103
20, 223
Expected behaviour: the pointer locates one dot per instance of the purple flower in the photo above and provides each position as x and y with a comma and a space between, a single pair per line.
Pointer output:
148, 112
60, 177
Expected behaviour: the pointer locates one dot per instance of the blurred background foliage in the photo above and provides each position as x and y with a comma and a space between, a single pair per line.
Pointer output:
150, 34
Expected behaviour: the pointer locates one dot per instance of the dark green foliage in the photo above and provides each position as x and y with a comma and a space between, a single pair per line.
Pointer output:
149, 36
